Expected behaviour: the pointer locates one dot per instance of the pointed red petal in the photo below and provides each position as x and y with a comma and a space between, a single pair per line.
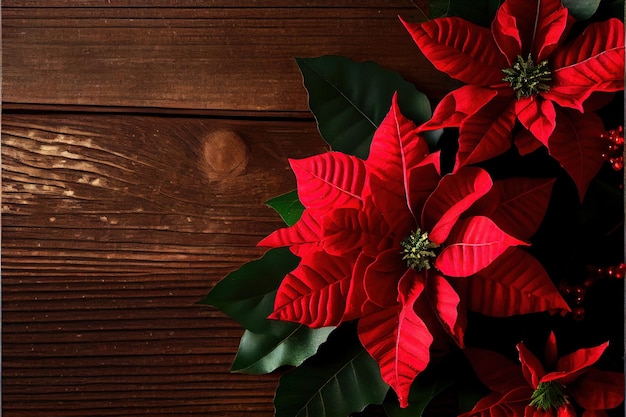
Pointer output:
463, 50
343, 232
357, 298
478, 242
551, 351
553, 26
458, 105
515, 283
568, 367
398, 339
433, 159
446, 302
598, 390
454, 194
495, 370
422, 181
594, 61
381, 278
350, 230
530, 26
576, 145
331, 179
393, 207
487, 133
531, 366
511, 30
314, 294
537, 115
306, 230
522, 205
526, 142
396, 147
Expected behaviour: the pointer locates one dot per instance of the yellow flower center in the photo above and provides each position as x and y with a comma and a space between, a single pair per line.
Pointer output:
418, 251
526, 78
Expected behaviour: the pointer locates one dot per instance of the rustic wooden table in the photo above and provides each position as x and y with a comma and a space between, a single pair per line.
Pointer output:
138, 146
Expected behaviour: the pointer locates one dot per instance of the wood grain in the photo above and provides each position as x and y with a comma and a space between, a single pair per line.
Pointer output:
196, 55
112, 231
139, 142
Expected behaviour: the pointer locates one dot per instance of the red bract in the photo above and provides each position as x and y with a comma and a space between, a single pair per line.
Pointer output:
548, 389
525, 69
381, 239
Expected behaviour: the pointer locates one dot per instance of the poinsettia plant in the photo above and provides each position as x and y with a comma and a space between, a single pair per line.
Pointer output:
429, 255
531, 389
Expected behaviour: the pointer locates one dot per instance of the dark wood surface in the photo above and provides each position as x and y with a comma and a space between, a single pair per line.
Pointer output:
178, 54
113, 228
138, 146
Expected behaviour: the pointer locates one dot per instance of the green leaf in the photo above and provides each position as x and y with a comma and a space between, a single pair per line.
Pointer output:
283, 344
340, 379
350, 99
581, 9
247, 294
288, 206
480, 12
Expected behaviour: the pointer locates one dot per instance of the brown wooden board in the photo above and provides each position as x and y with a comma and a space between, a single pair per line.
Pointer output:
113, 228
214, 56
139, 142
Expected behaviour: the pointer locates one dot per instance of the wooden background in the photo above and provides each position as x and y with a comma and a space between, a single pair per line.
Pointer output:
138, 146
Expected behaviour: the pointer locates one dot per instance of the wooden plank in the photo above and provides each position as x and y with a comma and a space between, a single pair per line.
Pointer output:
192, 56
353, 4
113, 227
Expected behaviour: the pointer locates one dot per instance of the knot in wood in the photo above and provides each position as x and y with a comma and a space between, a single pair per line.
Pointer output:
224, 154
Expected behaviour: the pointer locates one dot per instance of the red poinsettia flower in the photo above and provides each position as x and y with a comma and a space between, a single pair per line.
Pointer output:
381, 239
545, 390
525, 69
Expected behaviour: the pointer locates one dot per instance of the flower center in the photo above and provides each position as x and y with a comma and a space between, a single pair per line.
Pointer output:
418, 250
549, 395
526, 78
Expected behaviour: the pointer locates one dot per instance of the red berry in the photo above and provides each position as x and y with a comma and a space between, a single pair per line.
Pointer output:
578, 313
